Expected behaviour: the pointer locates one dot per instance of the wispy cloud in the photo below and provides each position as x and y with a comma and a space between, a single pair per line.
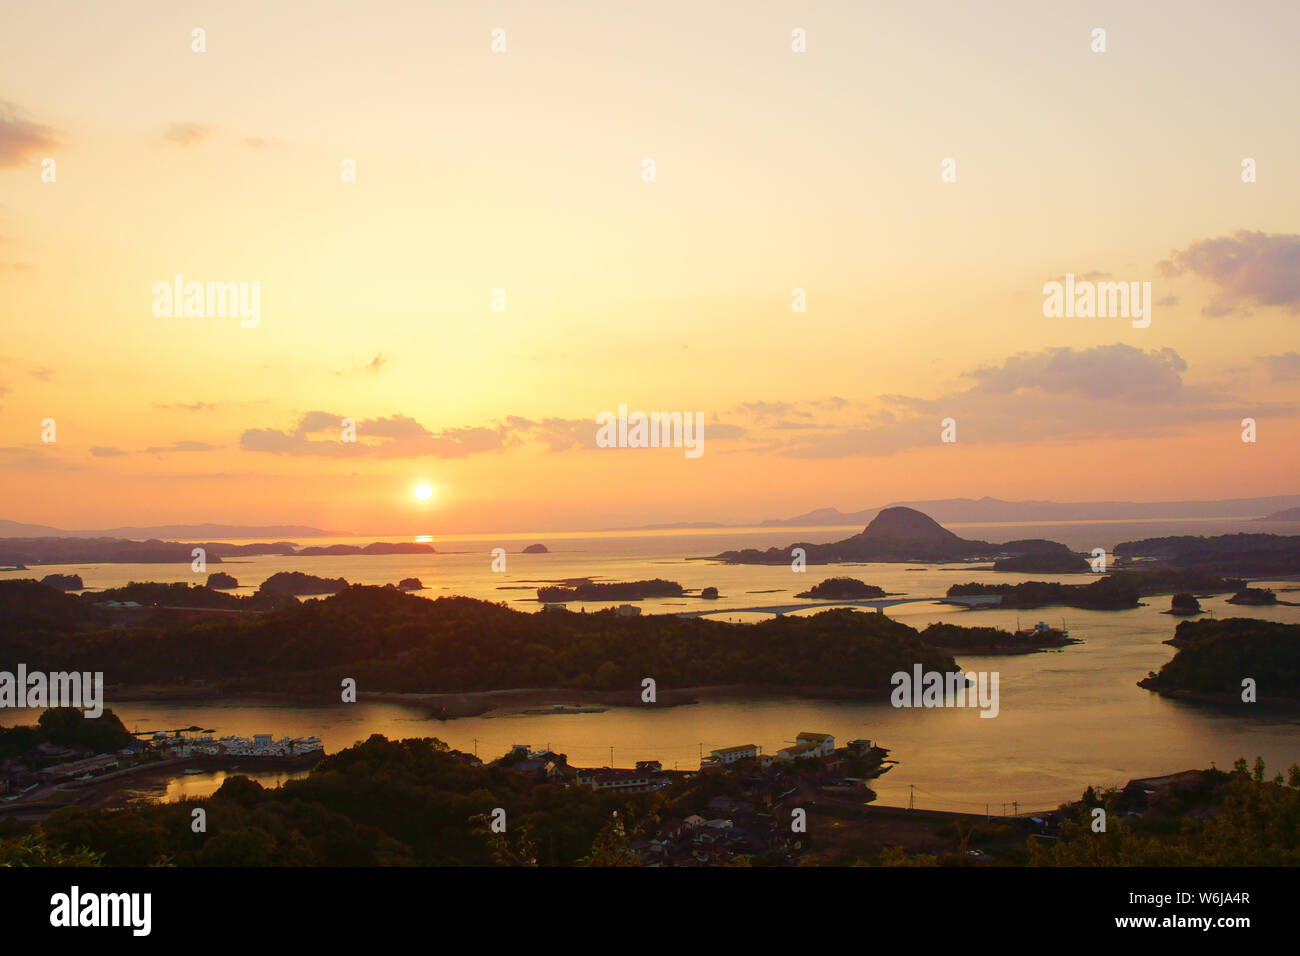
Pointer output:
1111, 391
185, 406
1284, 367
1246, 268
185, 134
180, 446
21, 139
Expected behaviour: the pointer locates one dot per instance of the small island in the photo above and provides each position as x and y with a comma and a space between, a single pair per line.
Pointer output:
295, 583
1255, 597
1106, 594
610, 591
1214, 656
536, 549
221, 581
993, 640
410, 584
1184, 604
709, 594
843, 589
1063, 561
64, 582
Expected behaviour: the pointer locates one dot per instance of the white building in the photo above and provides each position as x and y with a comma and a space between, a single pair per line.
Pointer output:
732, 754
824, 744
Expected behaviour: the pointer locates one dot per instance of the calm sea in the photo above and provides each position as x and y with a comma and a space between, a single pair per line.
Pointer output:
1068, 719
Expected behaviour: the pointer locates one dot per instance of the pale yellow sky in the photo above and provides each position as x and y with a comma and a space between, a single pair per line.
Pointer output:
522, 171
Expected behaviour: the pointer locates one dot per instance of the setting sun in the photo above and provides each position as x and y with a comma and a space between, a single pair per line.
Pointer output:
423, 491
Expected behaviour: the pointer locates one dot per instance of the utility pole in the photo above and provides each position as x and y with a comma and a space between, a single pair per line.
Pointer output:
911, 796
986, 813
611, 757
1015, 806
475, 746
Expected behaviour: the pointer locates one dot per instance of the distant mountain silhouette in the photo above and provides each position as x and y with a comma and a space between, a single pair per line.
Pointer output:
896, 534
16, 529
906, 524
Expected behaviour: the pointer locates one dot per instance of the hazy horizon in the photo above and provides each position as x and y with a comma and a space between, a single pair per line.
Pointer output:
501, 273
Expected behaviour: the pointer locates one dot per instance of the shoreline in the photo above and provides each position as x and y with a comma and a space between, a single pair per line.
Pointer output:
530, 701
1230, 700
113, 790
448, 705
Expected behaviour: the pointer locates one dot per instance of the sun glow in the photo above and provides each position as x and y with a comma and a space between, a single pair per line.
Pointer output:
424, 491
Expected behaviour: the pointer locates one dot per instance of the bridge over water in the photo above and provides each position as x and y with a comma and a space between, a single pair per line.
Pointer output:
972, 600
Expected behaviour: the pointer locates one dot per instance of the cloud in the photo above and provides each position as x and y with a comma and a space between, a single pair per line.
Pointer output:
373, 366
1108, 371
22, 139
1247, 268
1065, 394
400, 436
104, 451
185, 406
179, 446
1284, 367
185, 134
397, 436
15, 267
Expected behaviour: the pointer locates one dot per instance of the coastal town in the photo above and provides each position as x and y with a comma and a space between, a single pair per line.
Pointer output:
49, 774
738, 805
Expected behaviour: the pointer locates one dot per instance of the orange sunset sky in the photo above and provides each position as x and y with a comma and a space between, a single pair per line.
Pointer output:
522, 171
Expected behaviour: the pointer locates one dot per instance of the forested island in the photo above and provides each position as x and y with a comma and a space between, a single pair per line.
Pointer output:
993, 640
1215, 656
843, 589
1229, 555
1184, 604
64, 582
1110, 593
1255, 597
1051, 561
1116, 591
394, 642
298, 583
587, 590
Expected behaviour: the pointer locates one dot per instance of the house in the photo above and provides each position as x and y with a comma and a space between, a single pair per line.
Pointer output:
797, 752
732, 754
824, 743
627, 610
610, 780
